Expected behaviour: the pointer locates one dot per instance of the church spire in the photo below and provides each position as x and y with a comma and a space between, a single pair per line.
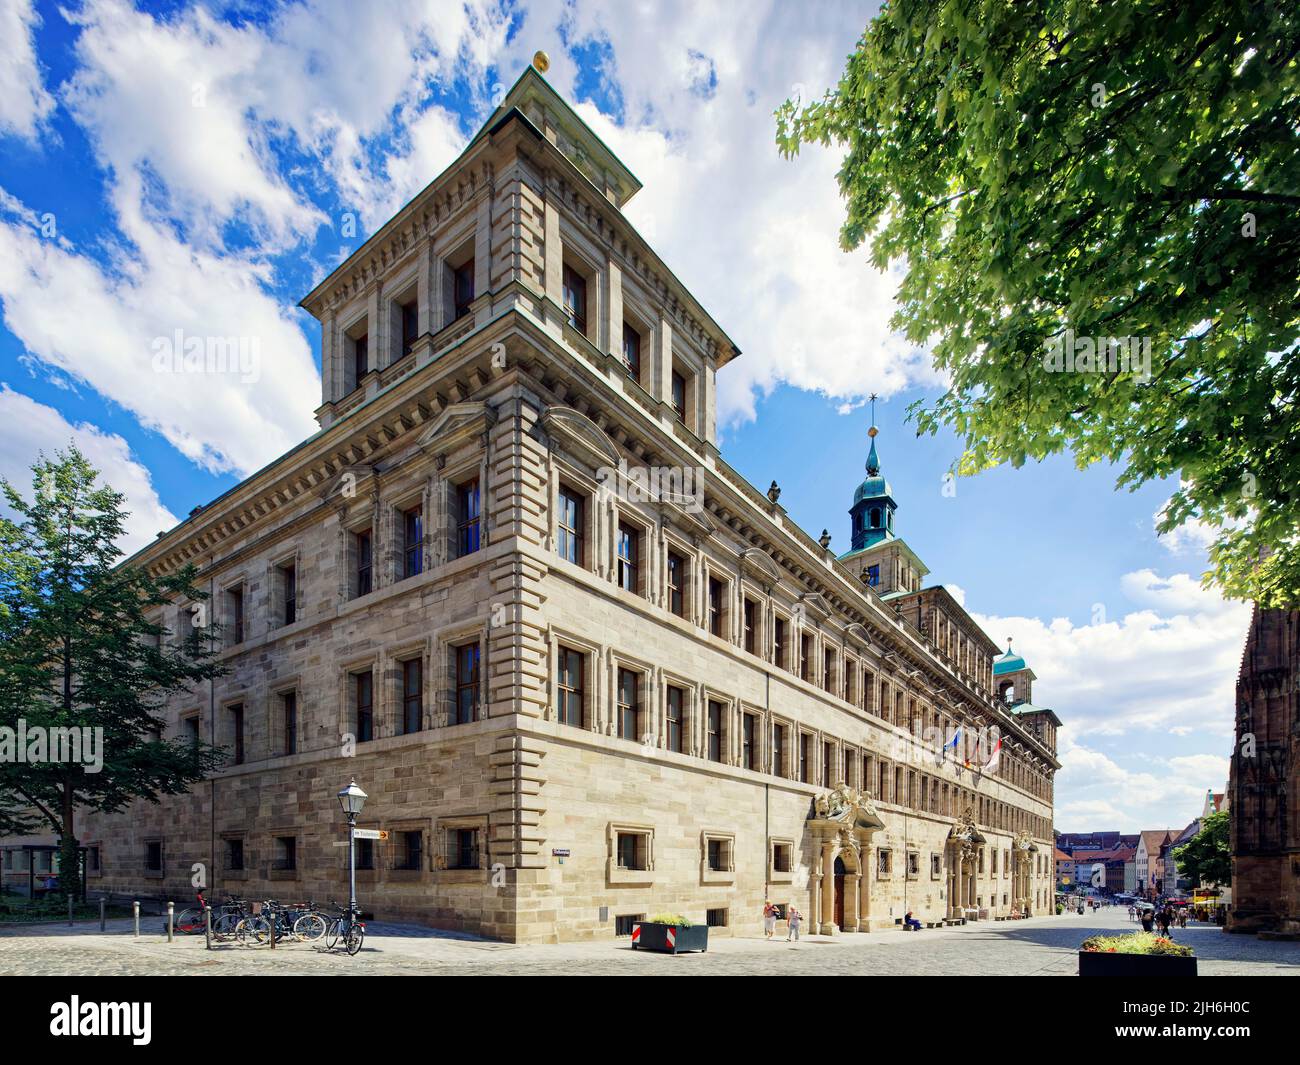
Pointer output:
873, 460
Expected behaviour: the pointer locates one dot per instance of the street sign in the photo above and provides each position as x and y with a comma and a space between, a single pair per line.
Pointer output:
371, 833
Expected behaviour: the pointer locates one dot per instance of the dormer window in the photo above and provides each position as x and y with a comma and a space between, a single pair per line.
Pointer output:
575, 299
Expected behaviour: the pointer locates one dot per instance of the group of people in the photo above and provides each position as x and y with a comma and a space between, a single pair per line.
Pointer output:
772, 914
1162, 918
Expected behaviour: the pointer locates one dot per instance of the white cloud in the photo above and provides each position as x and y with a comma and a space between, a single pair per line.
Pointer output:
24, 101
28, 427
1169, 665
1094, 792
99, 325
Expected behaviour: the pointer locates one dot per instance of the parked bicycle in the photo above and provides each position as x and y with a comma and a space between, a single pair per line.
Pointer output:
347, 927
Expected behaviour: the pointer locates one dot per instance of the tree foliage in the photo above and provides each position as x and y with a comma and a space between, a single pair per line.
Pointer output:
80, 649
1206, 857
1122, 169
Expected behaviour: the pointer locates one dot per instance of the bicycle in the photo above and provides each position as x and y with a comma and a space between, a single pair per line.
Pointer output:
348, 927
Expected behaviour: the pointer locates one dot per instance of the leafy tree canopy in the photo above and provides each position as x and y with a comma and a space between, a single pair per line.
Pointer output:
81, 647
1054, 173
1206, 858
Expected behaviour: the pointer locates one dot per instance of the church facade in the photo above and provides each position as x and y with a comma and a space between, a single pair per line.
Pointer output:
585, 672
1264, 780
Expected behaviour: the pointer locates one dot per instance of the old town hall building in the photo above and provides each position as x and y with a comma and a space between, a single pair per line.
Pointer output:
585, 671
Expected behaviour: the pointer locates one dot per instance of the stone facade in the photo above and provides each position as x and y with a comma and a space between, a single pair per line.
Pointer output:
585, 701
1264, 782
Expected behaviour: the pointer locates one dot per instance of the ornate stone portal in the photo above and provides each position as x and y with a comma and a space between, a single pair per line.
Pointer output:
842, 823
964, 844
1023, 850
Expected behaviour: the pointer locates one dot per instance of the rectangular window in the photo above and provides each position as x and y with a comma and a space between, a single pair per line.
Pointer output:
575, 299
365, 703
234, 855
410, 853
629, 551
884, 862
571, 704
289, 586
190, 728
631, 850
750, 612
676, 584
462, 848
716, 918
412, 696
467, 684
362, 545
715, 606
782, 857
236, 596
410, 314
365, 853
679, 396
828, 670
286, 853
748, 748
289, 713
778, 750
153, 856
360, 358
805, 657
469, 509
569, 538
873, 576
805, 750
780, 643
632, 352
464, 288
629, 705
676, 719
715, 730
413, 541
625, 923
237, 732
719, 855
828, 759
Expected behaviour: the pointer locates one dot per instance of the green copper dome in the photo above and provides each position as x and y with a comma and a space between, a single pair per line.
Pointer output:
1008, 663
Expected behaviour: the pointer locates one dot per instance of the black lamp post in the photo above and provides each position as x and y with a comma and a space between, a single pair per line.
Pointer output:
352, 799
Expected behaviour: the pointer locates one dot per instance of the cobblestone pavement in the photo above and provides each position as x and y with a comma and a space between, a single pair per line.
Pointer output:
1042, 946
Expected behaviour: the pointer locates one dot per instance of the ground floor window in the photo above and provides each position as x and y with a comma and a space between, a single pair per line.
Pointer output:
624, 922
716, 918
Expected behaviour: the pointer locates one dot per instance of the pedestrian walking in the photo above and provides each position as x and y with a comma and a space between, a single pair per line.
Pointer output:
793, 918
769, 920
1148, 919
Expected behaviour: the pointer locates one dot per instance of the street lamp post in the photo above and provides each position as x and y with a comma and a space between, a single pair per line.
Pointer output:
352, 799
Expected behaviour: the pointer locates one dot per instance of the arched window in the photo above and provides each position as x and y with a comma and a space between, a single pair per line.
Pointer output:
875, 517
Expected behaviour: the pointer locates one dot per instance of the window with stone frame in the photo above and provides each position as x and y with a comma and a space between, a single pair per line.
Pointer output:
570, 526
632, 351
570, 685
466, 694
235, 611
806, 657
676, 567
469, 509
234, 854
717, 606
884, 863
782, 857
574, 293
630, 726
286, 854
749, 617
363, 562
235, 716
408, 850
913, 865
287, 575
153, 856
805, 758
717, 861
289, 722
628, 559
363, 705
715, 727
780, 749
462, 288
675, 718
936, 866
781, 642
749, 752
412, 703
412, 530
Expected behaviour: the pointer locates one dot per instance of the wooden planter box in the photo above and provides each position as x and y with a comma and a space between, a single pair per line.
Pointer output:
1101, 963
670, 939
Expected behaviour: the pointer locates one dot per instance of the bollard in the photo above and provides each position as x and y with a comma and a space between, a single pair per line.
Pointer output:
207, 925
136, 907
103, 914
69, 911
273, 920
171, 916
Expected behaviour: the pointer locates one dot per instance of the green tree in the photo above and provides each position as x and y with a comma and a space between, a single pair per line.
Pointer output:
1123, 169
78, 650
1206, 858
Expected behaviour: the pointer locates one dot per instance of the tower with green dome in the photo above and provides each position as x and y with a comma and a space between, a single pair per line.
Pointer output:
877, 554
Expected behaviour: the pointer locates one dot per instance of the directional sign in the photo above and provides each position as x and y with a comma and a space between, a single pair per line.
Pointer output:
371, 833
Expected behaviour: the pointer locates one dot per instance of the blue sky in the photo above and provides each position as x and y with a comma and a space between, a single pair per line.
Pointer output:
167, 166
